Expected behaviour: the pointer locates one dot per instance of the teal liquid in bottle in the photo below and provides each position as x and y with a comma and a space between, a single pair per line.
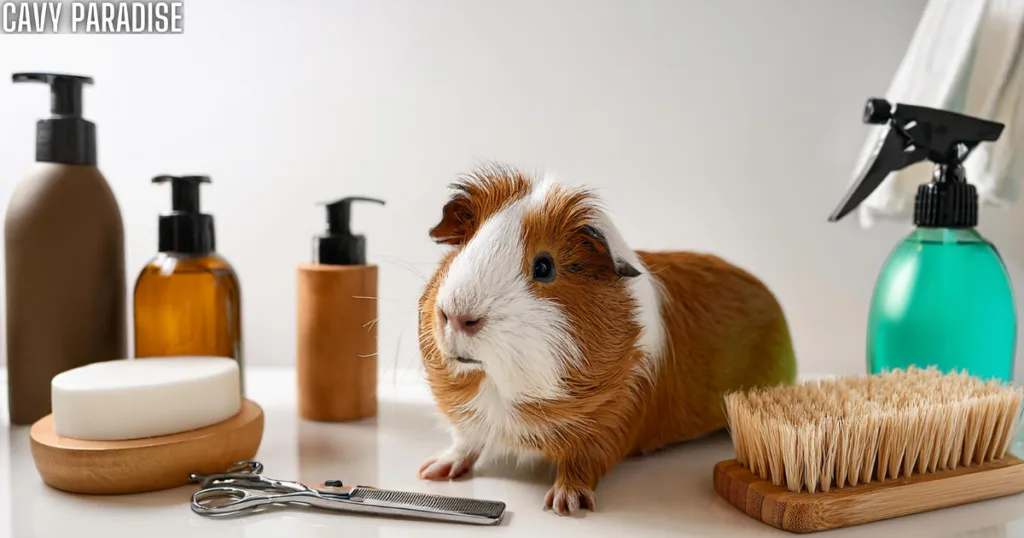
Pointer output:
944, 299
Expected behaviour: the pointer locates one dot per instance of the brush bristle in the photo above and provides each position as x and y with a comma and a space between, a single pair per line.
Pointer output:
843, 432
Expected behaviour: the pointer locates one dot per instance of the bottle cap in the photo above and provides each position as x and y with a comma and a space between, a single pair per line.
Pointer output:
65, 137
949, 201
911, 135
339, 246
184, 230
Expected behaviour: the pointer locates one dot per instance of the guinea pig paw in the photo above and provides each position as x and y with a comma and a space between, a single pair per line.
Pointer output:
447, 466
567, 499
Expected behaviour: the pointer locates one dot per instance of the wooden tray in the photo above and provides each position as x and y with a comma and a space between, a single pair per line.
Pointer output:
140, 465
811, 512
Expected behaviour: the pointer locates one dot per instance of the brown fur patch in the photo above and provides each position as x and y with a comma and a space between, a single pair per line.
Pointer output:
479, 195
726, 331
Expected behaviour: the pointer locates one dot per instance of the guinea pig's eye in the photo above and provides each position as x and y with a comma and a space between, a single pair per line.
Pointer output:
543, 268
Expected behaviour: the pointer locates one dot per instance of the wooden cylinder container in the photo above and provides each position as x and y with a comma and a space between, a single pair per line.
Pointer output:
337, 342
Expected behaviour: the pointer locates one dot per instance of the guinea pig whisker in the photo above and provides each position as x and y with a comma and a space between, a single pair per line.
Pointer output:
398, 348
369, 325
394, 364
408, 267
371, 298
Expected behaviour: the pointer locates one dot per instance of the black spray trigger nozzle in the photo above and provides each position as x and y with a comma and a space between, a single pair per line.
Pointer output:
65, 91
339, 213
184, 191
911, 134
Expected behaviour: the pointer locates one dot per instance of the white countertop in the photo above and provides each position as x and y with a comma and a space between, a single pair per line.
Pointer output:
666, 494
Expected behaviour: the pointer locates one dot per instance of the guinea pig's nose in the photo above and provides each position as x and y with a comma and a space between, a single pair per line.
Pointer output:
467, 324
462, 323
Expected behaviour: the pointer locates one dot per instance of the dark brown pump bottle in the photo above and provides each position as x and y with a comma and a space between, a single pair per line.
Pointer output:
187, 298
65, 263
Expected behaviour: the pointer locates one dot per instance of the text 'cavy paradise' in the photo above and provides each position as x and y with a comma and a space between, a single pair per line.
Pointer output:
139, 17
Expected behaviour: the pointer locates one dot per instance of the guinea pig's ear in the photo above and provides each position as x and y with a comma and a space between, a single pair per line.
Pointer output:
456, 219
599, 242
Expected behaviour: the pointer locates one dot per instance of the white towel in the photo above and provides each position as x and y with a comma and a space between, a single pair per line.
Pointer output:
966, 56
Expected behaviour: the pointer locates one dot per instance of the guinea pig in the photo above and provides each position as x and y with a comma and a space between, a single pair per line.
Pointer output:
543, 334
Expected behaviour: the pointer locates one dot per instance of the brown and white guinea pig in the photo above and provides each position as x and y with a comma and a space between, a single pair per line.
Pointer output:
543, 334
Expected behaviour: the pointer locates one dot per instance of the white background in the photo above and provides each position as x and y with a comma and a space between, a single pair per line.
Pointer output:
730, 126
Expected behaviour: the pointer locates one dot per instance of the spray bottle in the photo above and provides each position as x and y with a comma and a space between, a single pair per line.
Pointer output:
944, 297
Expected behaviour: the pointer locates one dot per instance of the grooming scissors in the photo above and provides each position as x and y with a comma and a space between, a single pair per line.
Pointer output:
243, 488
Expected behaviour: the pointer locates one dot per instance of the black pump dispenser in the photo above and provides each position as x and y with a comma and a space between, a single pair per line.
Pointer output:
65, 137
184, 230
340, 246
911, 135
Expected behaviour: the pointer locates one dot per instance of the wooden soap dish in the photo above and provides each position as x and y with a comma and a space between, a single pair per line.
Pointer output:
140, 465
812, 512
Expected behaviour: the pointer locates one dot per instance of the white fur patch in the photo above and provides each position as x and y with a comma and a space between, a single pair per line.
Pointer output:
540, 189
496, 423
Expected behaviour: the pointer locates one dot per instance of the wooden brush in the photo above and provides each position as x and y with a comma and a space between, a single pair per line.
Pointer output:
843, 452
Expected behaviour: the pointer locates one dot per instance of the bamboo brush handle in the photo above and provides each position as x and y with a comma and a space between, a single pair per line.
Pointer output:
846, 507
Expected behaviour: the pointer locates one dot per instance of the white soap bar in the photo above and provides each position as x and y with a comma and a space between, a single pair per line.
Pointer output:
136, 398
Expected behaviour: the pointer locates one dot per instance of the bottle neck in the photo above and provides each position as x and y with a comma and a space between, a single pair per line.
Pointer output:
187, 234
66, 141
340, 249
948, 201
186, 256
946, 235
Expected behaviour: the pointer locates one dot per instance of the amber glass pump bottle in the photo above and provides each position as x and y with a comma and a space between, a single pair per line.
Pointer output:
187, 298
